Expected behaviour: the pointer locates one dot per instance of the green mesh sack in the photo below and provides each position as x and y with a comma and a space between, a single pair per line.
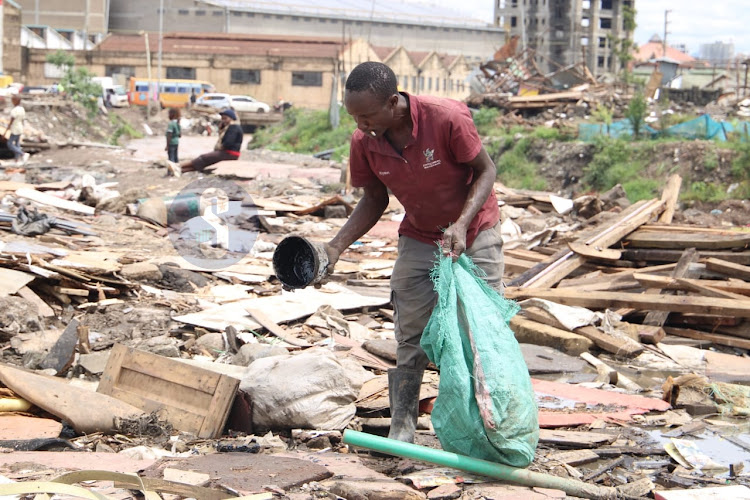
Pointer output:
486, 406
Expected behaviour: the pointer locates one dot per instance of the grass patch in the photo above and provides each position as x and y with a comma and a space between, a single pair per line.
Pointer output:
307, 132
617, 161
122, 128
704, 191
485, 120
515, 170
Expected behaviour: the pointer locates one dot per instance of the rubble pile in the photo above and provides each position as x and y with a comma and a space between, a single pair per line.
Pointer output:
206, 382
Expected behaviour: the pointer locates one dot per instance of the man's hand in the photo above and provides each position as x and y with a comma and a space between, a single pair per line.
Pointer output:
454, 241
333, 257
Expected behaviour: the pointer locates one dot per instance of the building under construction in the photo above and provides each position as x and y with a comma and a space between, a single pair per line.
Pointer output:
567, 32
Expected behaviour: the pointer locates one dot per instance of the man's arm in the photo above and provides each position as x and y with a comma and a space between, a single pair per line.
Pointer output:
169, 139
365, 215
482, 184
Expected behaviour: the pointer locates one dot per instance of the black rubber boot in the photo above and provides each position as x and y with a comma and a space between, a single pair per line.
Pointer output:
403, 393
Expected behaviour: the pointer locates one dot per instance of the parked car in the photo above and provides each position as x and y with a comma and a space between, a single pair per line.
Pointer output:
246, 104
215, 100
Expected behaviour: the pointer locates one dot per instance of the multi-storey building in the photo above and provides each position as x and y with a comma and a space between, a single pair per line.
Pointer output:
565, 32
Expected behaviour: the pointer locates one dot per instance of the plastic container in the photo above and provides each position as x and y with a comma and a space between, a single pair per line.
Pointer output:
299, 262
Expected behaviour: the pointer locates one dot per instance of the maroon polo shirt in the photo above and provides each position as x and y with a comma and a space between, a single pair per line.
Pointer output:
430, 177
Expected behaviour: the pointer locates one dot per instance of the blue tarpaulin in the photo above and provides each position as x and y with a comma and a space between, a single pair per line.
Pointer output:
703, 127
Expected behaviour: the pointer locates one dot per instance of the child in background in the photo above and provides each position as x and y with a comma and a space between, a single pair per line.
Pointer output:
173, 134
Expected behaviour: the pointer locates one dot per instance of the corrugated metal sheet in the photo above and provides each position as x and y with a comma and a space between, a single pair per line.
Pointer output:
399, 11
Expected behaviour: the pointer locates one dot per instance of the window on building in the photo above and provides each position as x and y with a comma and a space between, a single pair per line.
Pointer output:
585, 22
444, 85
245, 76
405, 82
437, 84
200, 12
586, 4
605, 23
421, 83
602, 42
513, 21
585, 41
414, 84
178, 73
514, 3
606, 4
183, 12
307, 78
600, 61
217, 12
111, 70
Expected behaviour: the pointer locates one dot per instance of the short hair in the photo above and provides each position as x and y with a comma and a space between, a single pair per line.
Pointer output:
375, 77
174, 113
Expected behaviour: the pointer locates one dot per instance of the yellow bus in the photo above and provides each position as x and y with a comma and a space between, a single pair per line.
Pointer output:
169, 93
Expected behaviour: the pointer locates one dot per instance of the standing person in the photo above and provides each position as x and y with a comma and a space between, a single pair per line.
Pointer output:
17, 117
427, 151
174, 132
193, 97
227, 147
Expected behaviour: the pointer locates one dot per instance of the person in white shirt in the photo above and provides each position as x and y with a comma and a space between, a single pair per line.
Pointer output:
17, 116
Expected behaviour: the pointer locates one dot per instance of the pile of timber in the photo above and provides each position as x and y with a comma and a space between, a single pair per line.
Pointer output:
661, 278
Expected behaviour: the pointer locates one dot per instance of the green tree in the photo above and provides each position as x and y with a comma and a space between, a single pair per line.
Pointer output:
636, 113
77, 81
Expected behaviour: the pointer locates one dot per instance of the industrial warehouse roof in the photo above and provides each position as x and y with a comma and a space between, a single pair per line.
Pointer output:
394, 11
225, 44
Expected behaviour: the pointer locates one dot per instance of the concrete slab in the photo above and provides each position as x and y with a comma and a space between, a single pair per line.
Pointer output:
245, 472
542, 359
372, 490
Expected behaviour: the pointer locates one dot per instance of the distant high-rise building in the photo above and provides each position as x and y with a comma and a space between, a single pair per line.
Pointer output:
717, 52
564, 32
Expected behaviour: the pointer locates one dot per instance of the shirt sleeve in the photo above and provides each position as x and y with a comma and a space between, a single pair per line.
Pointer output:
464, 141
232, 140
359, 164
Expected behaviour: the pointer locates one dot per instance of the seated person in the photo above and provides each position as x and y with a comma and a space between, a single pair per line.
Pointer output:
227, 147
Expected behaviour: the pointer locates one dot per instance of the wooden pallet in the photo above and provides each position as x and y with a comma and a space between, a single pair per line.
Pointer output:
191, 399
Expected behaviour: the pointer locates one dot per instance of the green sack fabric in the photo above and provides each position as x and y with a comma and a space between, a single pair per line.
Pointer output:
486, 406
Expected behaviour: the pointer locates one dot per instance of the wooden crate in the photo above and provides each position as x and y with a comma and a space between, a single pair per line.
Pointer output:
191, 399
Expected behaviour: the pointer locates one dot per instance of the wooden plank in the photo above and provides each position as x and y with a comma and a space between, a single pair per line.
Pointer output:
658, 255
701, 241
275, 329
42, 307
575, 457
192, 399
574, 439
560, 265
54, 201
728, 268
709, 291
594, 252
681, 270
688, 284
11, 281
532, 332
619, 346
366, 358
641, 302
669, 196
714, 338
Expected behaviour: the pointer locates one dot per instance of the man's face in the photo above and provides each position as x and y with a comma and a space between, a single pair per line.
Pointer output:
372, 115
225, 120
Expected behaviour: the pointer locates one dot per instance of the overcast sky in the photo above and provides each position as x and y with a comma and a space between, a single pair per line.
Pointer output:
692, 22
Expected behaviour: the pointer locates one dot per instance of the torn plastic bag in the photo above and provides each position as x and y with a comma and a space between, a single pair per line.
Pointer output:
31, 222
486, 406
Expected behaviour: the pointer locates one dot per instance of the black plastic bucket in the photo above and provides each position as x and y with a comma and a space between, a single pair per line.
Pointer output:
299, 262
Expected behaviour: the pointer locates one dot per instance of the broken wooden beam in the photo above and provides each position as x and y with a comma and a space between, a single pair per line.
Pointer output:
729, 268
715, 338
532, 332
641, 302
560, 265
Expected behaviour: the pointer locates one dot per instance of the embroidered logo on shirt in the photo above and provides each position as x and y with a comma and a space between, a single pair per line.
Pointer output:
429, 159
384, 172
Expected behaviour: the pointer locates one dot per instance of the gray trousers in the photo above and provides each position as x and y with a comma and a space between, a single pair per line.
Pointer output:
413, 294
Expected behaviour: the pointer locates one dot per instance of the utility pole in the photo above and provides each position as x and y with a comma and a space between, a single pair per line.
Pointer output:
148, 72
666, 23
158, 70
